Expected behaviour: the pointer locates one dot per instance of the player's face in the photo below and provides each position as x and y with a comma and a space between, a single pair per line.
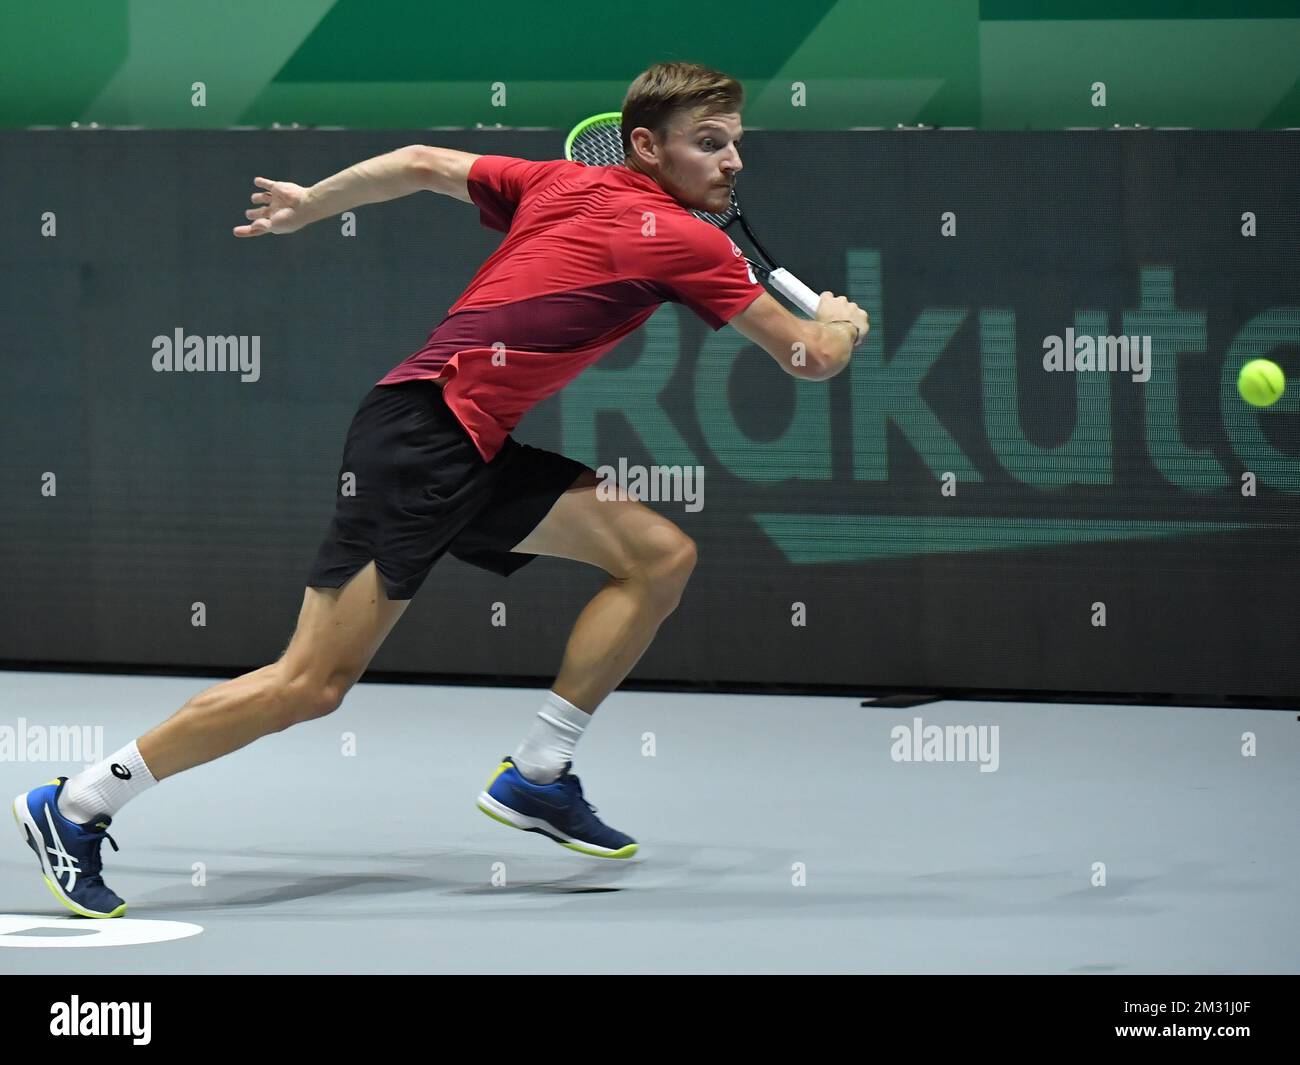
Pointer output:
700, 160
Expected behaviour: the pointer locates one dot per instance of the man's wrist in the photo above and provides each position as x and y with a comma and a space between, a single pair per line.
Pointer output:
375, 180
310, 207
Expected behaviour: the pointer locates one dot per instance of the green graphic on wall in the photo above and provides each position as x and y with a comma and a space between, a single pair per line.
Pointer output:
826, 64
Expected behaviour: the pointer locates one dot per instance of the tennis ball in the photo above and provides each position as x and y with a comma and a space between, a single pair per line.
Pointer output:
1261, 382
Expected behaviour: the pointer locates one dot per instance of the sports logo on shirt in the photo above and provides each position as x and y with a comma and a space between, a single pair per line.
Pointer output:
749, 269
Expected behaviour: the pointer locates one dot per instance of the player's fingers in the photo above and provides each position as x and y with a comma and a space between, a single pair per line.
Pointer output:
257, 212
260, 197
262, 182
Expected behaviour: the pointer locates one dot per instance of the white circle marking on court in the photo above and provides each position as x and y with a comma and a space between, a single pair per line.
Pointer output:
115, 932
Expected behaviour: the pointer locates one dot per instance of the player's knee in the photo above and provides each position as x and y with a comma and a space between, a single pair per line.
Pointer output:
306, 698
668, 559
681, 566
681, 562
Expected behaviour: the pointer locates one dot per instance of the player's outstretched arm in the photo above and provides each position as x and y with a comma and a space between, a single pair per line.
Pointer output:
283, 207
445, 170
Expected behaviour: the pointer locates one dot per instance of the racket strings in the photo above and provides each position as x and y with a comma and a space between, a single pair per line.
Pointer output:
601, 144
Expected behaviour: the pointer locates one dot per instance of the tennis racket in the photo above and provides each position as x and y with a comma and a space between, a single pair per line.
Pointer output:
598, 141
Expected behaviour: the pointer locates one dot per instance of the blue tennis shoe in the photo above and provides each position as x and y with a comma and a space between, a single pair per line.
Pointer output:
557, 810
68, 852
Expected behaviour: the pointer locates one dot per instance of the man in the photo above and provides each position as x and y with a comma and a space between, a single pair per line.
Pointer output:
436, 470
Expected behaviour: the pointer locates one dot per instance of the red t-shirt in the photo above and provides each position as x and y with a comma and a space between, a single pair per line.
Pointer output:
590, 253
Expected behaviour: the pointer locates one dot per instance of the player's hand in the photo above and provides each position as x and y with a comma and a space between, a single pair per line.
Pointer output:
282, 209
834, 308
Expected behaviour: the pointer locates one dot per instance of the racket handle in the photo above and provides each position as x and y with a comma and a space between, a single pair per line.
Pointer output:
795, 291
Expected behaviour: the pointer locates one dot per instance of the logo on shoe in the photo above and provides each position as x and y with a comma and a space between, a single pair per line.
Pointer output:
534, 793
62, 863
120, 771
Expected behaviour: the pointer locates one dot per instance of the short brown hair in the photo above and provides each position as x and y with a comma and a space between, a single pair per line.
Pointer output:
667, 88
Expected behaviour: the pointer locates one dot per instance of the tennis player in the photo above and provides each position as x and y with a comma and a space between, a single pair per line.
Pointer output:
589, 254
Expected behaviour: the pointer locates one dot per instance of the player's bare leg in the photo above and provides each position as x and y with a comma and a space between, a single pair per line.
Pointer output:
649, 561
338, 632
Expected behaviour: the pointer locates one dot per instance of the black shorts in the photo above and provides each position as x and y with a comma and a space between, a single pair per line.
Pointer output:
419, 488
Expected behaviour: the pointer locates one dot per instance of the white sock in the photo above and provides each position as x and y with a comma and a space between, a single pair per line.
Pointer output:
107, 787
550, 744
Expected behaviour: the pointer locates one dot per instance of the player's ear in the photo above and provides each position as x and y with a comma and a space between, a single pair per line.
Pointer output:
643, 144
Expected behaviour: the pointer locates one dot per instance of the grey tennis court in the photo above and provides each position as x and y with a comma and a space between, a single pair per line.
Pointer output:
778, 834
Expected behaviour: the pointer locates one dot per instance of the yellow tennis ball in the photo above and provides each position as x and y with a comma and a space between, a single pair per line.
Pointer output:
1261, 382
